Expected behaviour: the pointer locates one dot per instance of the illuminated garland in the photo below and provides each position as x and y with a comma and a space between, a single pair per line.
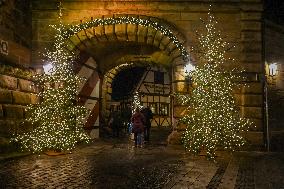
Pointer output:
128, 20
212, 118
117, 68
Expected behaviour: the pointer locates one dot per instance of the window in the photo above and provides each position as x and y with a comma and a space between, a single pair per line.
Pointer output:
161, 109
153, 107
158, 77
164, 109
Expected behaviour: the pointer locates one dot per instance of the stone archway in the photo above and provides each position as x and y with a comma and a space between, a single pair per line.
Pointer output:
116, 41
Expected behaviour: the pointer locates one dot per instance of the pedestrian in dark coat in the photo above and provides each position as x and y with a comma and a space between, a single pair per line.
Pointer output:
148, 116
138, 121
115, 123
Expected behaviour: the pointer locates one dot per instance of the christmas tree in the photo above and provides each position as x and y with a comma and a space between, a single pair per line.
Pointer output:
212, 117
57, 119
136, 102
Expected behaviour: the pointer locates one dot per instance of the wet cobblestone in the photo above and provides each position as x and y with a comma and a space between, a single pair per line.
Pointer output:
110, 168
108, 165
245, 177
216, 179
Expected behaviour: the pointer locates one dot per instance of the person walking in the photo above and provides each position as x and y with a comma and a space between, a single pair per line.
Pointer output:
148, 116
138, 121
115, 123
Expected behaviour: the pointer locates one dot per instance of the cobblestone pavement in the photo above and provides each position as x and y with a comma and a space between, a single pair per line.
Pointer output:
108, 164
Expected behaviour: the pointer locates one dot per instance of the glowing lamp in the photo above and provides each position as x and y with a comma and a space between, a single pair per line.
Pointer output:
272, 69
188, 68
47, 68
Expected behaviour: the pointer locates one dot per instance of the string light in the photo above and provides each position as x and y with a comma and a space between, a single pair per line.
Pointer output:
212, 116
57, 118
136, 102
128, 20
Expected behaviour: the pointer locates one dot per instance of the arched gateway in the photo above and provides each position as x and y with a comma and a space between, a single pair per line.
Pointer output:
108, 45
137, 32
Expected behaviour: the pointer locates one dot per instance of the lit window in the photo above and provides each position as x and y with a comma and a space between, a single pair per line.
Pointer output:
164, 109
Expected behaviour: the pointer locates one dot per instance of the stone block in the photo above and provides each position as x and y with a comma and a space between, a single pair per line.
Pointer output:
257, 125
109, 29
8, 128
190, 16
132, 31
157, 39
254, 138
21, 98
169, 16
45, 33
120, 31
81, 36
250, 16
5, 96
181, 127
13, 111
150, 35
238, 99
252, 67
251, 57
181, 87
25, 85
8, 82
34, 98
89, 33
255, 5
252, 112
251, 36
251, 25
249, 99
253, 88
75, 40
142, 34
252, 100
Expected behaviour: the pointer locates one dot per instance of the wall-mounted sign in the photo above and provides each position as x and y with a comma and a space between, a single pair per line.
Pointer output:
4, 47
156, 88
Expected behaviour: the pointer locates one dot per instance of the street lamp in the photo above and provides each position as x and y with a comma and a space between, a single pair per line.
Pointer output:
47, 68
272, 69
188, 68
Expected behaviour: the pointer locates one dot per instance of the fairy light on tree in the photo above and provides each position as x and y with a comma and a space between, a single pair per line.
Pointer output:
136, 102
58, 120
212, 115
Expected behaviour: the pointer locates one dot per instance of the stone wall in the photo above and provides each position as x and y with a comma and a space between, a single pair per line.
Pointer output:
15, 74
239, 20
15, 27
16, 91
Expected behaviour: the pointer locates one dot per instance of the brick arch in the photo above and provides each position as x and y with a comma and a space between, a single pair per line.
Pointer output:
147, 30
82, 36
